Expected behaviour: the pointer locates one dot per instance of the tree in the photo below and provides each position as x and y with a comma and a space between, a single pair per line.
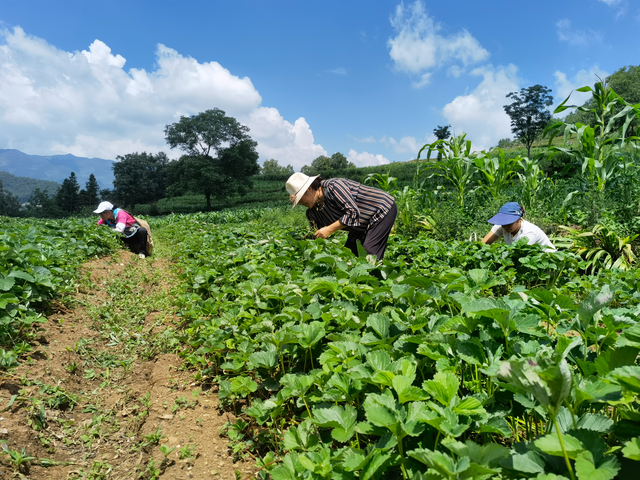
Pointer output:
139, 178
442, 133
89, 195
41, 205
67, 196
505, 143
220, 155
529, 114
323, 164
271, 167
9, 204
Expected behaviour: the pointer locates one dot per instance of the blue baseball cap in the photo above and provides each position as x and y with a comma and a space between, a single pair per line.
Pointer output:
508, 214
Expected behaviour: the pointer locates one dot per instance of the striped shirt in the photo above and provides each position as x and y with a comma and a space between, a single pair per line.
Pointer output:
355, 205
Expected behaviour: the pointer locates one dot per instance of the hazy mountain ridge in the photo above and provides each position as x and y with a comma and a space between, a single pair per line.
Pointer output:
23, 187
56, 167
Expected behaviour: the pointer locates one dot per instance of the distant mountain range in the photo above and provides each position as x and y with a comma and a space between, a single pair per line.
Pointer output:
56, 167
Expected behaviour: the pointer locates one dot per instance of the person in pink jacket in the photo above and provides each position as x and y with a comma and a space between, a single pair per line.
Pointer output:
135, 236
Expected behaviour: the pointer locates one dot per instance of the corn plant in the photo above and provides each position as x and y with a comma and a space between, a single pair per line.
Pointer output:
382, 181
532, 180
601, 248
496, 171
458, 166
600, 149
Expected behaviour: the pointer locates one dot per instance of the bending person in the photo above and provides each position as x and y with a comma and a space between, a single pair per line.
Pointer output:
510, 225
367, 213
135, 236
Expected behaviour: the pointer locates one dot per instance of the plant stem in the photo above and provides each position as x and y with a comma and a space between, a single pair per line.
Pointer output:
401, 452
564, 450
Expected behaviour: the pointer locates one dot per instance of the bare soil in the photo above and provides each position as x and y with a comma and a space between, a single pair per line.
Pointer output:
124, 392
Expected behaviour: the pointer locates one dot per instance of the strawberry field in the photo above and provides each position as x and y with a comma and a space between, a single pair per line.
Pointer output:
446, 360
451, 360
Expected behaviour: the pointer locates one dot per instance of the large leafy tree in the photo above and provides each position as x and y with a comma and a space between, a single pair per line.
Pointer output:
271, 167
529, 113
68, 195
323, 164
139, 178
220, 156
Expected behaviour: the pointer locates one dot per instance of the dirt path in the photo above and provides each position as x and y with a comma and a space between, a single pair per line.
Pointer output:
103, 396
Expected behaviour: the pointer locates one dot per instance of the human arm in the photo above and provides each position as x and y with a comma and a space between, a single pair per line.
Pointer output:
489, 238
494, 234
325, 232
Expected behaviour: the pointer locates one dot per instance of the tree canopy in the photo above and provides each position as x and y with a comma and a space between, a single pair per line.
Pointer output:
271, 167
68, 195
442, 132
90, 195
323, 164
9, 204
529, 113
220, 155
139, 178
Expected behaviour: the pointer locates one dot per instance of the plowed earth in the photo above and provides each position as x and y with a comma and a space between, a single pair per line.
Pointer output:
103, 394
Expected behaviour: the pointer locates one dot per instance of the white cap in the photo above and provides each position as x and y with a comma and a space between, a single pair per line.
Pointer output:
103, 207
298, 184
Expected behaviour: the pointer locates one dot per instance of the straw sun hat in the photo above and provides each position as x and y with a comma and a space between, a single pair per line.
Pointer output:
298, 184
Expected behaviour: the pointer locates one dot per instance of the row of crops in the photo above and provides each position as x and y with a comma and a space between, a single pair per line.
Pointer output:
449, 360
38, 262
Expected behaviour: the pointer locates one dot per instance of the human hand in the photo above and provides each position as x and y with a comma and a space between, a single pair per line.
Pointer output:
323, 233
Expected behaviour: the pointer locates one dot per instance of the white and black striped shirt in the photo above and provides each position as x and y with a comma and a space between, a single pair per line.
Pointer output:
357, 206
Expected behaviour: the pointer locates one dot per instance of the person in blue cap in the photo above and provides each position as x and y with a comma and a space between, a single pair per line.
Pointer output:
510, 225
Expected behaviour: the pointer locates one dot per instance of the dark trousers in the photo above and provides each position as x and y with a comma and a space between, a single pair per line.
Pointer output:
375, 239
137, 243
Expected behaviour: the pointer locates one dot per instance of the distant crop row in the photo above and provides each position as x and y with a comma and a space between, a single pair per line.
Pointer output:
38, 262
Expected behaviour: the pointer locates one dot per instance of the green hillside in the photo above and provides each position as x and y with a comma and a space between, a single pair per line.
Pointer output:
22, 187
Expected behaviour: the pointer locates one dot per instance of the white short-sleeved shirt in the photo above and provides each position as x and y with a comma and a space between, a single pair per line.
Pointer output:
527, 230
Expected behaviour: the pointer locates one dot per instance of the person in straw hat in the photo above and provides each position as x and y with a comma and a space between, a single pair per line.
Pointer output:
367, 213
135, 235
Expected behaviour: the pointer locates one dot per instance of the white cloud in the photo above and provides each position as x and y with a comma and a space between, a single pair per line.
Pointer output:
338, 71
406, 144
565, 86
575, 36
87, 104
418, 46
365, 159
480, 113
455, 71
611, 3
369, 139
290, 144
424, 80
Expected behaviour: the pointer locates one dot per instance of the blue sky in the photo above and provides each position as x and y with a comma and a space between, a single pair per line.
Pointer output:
368, 79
